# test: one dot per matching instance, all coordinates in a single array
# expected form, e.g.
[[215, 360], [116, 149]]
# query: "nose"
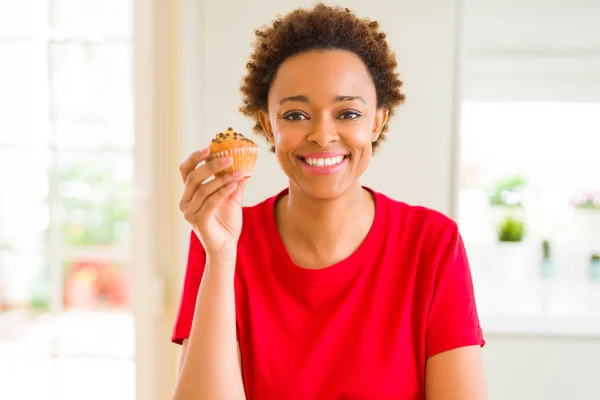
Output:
[[323, 131]]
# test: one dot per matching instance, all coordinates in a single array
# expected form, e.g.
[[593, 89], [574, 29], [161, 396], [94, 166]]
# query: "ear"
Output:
[[381, 118], [265, 122]]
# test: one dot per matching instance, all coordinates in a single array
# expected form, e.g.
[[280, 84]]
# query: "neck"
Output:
[[317, 225]]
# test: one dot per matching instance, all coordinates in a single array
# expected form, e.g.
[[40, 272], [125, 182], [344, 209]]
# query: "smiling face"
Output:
[[322, 119]]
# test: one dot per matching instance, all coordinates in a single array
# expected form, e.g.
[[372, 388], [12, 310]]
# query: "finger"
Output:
[[190, 163], [197, 177], [238, 195], [199, 197], [217, 198], [208, 169]]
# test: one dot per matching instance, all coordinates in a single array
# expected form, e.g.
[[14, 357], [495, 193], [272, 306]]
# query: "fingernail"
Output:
[[237, 173], [225, 160]]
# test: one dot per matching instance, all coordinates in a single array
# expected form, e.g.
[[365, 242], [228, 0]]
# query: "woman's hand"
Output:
[[213, 208]]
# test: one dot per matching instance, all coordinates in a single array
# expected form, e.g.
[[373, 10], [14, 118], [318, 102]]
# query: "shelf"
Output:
[[514, 299], [580, 326]]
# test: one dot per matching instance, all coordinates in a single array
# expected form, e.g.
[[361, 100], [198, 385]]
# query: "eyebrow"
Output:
[[304, 99]]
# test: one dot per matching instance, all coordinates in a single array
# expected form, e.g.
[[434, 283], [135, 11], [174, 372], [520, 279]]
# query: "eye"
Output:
[[349, 115], [294, 116]]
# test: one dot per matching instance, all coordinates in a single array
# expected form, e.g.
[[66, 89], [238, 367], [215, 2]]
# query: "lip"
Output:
[[323, 154], [325, 170]]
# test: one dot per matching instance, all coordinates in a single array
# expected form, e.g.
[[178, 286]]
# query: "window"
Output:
[[528, 165], [66, 175], [529, 205]]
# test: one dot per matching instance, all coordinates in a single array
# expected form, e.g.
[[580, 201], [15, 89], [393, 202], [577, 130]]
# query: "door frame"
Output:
[[157, 236]]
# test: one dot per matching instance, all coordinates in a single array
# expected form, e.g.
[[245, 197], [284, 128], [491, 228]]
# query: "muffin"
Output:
[[243, 151]]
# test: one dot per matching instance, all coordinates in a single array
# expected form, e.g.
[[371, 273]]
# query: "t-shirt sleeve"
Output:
[[452, 321], [187, 304]]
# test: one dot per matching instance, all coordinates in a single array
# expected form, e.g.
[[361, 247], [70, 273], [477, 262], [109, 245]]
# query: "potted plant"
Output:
[[512, 255], [586, 217], [508, 191], [511, 229], [547, 265], [586, 200], [507, 198], [595, 267]]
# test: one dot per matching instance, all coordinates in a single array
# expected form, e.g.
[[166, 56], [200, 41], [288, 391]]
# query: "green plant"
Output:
[[546, 249], [595, 266], [40, 297], [99, 216], [505, 191], [511, 230], [586, 201], [103, 216]]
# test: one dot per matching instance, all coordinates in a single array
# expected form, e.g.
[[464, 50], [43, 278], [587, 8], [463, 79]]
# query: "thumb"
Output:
[[238, 194]]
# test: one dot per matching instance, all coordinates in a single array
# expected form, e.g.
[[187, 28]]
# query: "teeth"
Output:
[[324, 162]]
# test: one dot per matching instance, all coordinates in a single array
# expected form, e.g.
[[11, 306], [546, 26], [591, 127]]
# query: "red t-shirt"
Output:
[[360, 329]]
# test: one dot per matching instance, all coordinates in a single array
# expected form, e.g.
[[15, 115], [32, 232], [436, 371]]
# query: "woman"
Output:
[[331, 290]]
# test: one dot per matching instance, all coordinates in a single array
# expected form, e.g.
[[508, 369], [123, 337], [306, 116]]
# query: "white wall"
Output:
[[535, 368], [415, 165], [532, 50]]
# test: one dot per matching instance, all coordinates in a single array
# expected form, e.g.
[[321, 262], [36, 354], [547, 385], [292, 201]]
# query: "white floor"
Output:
[[76, 355], [29, 378]]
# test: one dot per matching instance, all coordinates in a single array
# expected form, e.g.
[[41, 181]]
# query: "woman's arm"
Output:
[[184, 350], [213, 207], [210, 367], [455, 375]]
